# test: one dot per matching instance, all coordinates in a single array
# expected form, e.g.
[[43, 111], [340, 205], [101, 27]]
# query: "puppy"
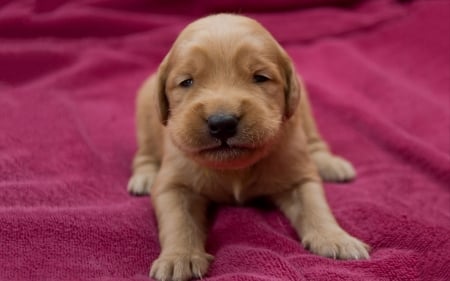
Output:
[[226, 119]]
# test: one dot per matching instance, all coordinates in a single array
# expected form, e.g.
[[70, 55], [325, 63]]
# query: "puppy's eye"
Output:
[[186, 83], [257, 78]]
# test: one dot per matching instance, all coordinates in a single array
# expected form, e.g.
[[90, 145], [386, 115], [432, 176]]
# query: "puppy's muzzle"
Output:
[[222, 126]]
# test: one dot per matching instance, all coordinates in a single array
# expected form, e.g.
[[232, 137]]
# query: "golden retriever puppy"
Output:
[[226, 119]]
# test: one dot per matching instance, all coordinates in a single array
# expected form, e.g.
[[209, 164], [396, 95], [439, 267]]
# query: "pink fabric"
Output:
[[379, 79]]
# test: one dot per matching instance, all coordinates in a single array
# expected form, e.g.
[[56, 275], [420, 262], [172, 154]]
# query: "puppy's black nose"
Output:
[[222, 126]]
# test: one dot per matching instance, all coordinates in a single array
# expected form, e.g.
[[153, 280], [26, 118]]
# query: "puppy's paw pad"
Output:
[[180, 267], [337, 245], [140, 183], [333, 168]]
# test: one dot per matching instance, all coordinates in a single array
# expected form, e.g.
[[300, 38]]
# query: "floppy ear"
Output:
[[292, 89], [162, 100]]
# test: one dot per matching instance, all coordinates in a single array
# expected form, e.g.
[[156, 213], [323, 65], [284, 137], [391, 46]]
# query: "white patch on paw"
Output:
[[333, 168], [140, 183], [335, 244], [180, 266]]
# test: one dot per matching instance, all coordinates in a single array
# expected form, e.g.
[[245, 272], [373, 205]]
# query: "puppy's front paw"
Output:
[[141, 182], [335, 244], [333, 168], [180, 266]]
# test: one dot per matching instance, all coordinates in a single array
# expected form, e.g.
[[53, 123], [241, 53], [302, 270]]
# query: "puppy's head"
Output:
[[225, 89]]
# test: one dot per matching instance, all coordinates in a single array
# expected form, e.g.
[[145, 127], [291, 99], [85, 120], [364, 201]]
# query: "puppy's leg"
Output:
[[181, 218], [144, 172], [307, 209], [331, 167], [149, 137]]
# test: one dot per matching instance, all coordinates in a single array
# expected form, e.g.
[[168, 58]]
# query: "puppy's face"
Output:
[[225, 89]]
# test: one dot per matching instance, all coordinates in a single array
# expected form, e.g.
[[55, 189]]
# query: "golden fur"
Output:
[[277, 151]]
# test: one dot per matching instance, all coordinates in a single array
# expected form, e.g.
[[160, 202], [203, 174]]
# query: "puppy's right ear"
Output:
[[162, 100], [292, 89]]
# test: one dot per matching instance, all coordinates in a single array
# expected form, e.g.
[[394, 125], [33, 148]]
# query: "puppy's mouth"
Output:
[[225, 148], [226, 155]]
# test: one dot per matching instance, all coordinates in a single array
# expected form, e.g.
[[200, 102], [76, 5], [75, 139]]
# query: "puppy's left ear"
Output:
[[162, 100], [292, 88]]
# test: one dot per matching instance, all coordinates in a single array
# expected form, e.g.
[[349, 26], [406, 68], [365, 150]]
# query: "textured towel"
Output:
[[378, 74]]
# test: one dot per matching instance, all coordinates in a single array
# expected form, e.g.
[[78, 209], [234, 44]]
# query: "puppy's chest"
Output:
[[240, 190]]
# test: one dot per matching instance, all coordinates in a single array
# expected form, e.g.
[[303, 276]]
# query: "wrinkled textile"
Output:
[[378, 74]]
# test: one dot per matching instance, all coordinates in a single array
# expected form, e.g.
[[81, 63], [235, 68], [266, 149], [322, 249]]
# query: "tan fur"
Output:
[[277, 152]]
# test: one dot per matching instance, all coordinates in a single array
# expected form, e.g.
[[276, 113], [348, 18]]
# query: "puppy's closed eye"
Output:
[[186, 83], [258, 78]]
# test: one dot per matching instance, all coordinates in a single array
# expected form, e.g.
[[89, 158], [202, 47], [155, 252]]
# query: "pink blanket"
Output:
[[378, 73]]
